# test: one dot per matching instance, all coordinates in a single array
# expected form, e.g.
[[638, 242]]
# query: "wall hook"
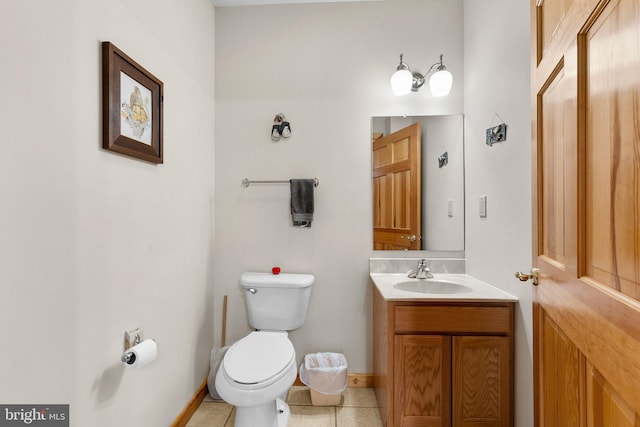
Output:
[[280, 128], [496, 133], [443, 159]]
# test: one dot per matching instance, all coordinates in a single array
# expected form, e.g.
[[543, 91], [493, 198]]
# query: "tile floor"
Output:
[[358, 408]]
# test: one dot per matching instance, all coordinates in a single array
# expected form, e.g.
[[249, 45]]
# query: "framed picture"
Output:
[[131, 107]]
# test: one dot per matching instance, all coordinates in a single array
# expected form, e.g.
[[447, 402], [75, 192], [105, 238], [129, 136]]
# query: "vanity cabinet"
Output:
[[443, 363]]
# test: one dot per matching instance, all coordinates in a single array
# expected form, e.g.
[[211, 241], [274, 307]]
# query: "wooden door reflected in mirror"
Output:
[[396, 190], [418, 198]]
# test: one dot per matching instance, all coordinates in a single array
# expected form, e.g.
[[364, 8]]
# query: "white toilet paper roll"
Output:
[[141, 354]]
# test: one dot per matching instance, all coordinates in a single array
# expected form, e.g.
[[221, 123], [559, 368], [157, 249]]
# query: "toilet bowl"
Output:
[[258, 370], [255, 372]]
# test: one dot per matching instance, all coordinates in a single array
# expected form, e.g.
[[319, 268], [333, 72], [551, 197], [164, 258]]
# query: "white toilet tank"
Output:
[[277, 302]]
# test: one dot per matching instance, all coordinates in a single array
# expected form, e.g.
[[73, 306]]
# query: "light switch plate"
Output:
[[450, 208], [483, 206]]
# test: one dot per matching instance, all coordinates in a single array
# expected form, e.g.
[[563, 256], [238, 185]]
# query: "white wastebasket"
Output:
[[326, 375]]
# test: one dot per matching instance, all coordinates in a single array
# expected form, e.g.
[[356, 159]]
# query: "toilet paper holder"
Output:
[[141, 354]]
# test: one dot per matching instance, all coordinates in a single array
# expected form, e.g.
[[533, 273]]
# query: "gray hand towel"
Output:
[[302, 202]]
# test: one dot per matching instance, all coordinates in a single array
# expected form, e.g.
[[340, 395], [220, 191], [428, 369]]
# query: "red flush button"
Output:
[[275, 270]]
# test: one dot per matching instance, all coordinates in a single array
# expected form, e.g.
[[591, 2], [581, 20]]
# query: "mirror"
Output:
[[418, 183]]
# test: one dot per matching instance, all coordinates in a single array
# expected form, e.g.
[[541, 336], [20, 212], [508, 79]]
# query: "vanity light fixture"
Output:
[[404, 80]]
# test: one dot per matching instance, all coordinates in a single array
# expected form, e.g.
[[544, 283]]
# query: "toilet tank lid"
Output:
[[283, 280]]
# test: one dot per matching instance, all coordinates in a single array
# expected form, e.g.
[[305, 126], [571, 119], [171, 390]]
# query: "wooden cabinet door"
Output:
[[482, 376], [422, 381], [585, 58]]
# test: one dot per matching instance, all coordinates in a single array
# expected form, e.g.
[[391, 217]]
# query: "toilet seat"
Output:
[[259, 359]]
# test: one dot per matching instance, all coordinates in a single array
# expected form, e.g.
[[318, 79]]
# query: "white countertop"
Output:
[[480, 291]]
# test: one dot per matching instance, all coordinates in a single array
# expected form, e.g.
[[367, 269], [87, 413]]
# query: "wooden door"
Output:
[[422, 381], [482, 376], [396, 190], [586, 197]]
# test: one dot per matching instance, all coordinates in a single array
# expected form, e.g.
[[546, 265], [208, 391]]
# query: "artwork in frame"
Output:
[[132, 107]]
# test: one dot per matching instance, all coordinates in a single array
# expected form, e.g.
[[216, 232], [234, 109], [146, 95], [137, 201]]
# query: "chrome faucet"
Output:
[[421, 272]]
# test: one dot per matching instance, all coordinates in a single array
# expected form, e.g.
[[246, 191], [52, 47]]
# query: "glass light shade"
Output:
[[401, 82], [440, 83]]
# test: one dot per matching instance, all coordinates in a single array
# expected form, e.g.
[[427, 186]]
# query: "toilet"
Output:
[[258, 370]]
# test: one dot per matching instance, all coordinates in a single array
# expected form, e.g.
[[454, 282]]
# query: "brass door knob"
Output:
[[533, 276]]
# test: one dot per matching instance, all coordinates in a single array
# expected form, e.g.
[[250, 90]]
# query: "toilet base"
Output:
[[271, 414]]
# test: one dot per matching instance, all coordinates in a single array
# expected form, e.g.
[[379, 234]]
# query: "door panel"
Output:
[[607, 407], [552, 150], [552, 12], [612, 171], [560, 374]]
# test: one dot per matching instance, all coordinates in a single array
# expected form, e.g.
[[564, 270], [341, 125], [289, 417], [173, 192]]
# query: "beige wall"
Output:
[[94, 243], [327, 68], [497, 81]]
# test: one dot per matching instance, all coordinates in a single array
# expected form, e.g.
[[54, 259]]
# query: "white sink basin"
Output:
[[441, 287], [430, 286]]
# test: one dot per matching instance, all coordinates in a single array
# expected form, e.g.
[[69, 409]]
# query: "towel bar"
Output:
[[246, 182]]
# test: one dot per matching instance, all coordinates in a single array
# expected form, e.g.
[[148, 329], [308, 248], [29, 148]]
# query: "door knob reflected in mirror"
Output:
[[533, 276]]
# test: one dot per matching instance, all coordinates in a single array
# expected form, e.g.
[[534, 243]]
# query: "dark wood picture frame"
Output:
[[142, 133]]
